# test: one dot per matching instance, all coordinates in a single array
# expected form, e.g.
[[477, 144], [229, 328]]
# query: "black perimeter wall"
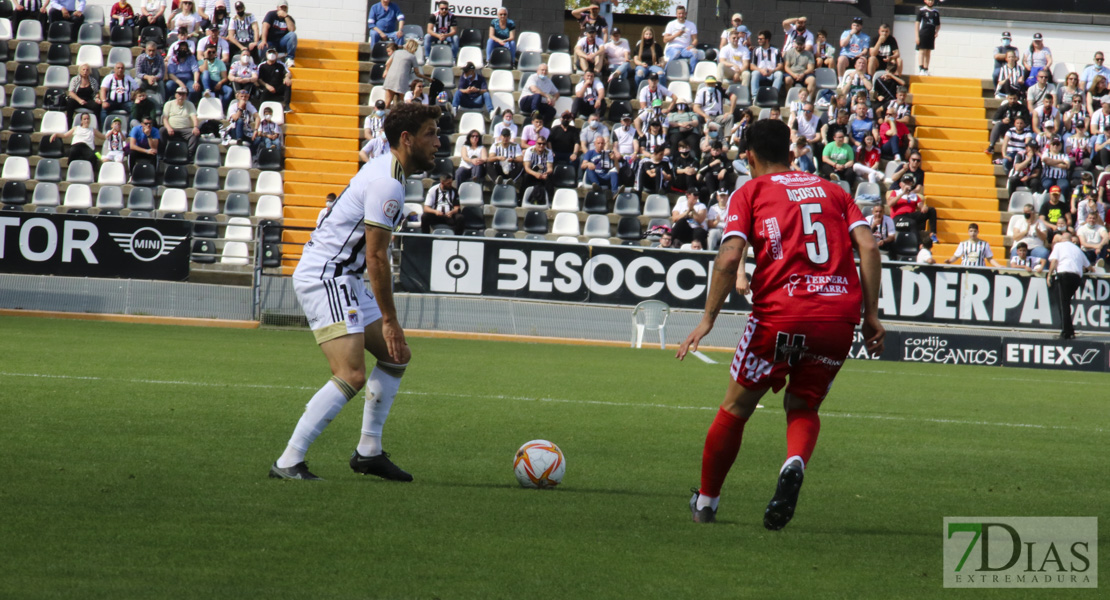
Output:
[[547, 17]]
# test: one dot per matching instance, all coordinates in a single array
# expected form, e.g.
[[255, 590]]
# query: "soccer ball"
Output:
[[539, 464]]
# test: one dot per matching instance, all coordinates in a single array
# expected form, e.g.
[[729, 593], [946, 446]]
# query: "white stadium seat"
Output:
[[90, 55], [269, 182], [238, 157], [78, 195], [239, 229], [209, 109], [234, 253], [529, 41], [268, 207], [566, 200], [470, 121], [469, 54], [111, 173], [559, 63], [16, 168], [277, 108], [501, 80], [173, 201], [566, 224], [54, 122], [704, 69], [503, 101]]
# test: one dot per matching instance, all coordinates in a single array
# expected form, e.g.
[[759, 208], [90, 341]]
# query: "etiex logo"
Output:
[[1014, 552], [457, 267]]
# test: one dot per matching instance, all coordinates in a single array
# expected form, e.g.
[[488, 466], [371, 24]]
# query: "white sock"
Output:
[[319, 411], [792, 459], [381, 389], [704, 501]]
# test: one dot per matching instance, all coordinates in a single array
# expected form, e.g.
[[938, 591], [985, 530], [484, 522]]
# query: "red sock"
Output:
[[722, 443], [802, 428]]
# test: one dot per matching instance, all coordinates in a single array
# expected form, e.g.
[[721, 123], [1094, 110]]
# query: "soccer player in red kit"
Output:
[[805, 304]]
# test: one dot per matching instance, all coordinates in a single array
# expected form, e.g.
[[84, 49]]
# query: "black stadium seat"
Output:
[[564, 176], [620, 89], [60, 32], [14, 194], [177, 152], [378, 53], [205, 226], [501, 58], [27, 74], [558, 43], [535, 222], [271, 255], [628, 229], [122, 37], [19, 144], [473, 221], [154, 34], [237, 205], [271, 159], [377, 74], [204, 250], [471, 37], [597, 203], [59, 54], [144, 174], [176, 176], [563, 84], [22, 119], [141, 198]]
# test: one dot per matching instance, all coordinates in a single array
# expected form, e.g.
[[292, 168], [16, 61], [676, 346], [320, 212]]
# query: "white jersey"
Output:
[[374, 198]]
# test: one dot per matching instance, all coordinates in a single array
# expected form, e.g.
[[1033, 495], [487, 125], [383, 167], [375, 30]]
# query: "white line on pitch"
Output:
[[534, 399]]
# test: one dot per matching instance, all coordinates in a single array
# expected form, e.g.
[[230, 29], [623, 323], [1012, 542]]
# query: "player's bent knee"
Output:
[[355, 378]]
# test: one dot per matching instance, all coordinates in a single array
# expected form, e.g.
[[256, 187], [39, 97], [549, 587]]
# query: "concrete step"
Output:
[[941, 132], [320, 143], [317, 120], [346, 87], [304, 202], [961, 168], [979, 124], [309, 223], [997, 242], [960, 82], [939, 187], [350, 54], [297, 237], [974, 216], [325, 63], [941, 89], [955, 145], [310, 189], [324, 109], [312, 95], [960, 202], [948, 100], [297, 165], [340, 156], [352, 131], [329, 178], [955, 112], [302, 212], [959, 179], [974, 158], [300, 73]]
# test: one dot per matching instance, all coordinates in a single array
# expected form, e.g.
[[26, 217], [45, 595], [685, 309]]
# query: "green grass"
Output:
[[139, 471]]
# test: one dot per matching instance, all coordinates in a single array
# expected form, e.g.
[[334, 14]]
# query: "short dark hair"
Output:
[[410, 117], [330, 198], [765, 33], [974, 226], [769, 139]]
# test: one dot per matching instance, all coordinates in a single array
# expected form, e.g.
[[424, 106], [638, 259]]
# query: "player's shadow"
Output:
[[570, 489]]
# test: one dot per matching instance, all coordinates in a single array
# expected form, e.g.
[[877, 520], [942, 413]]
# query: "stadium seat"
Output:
[[905, 246], [110, 197], [78, 195], [269, 231], [826, 78], [535, 221], [528, 62], [414, 191], [152, 33], [90, 34], [704, 69], [239, 229], [597, 203], [1018, 201], [141, 198], [598, 241], [377, 74], [121, 37], [627, 205], [534, 197], [677, 70], [501, 58], [444, 74], [743, 95], [111, 173], [238, 204], [564, 176], [620, 88], [471, 37], [26, 74], [618, 108], [208, 155], [657, 205], [48, 169], [276, 108], [59, 54], [14, 194], [558, 43], [792, 95], [144, 173], [53, 122], [529, 41], [80, 171], [473, 221], [205, 227], [209, 109], [204, 203], [566, 200], [413, 32], [120, 55], [237, 180], [5, 29], [567, 224], [3, 70], [95, 14], [767, 97], [30, 30], [176, 176], [709, 51], [470, 194], [56, 77], [559, 63], [567, 239], [468, 54], [443, 167], [45, 194], [203, 251], [378, 53], [269, 182], [504, 221], [503, 101], [90, 55], [681, 89], [268, 207], [173, 201], [235, 254], [378, 93], [446, 123], [868, 188], [629, 230], [271, 159], [441, 56], [271, 256], [597, 226], [503, 194], [238, 157], [24, 97], [564, 84], [472, 121], [208, 178]]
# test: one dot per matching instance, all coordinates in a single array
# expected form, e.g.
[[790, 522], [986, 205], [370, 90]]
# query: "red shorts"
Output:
[[811, 353]]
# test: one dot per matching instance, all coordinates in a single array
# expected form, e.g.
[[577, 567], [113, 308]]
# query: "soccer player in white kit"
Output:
[[345, 317]]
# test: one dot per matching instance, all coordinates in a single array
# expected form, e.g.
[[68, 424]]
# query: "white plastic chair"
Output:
[[566, 200], [239, 230], [173, 201], [112, 173], [503, 101], [559, 63], [598, 241], [704, 69], [597, 226], [238, 157], [471, 121], [650, 315], [378, 93], [680, 89], [529, 41], [277, 108], [269, 182], [469, 54], [209, 109], [90, 55], [120, 55], [563, 104], [566, 224], [5, 30], [234, 253], [54, 122], [268, 207], [78, 195], [16, 168], [501, 80], [567, 239]]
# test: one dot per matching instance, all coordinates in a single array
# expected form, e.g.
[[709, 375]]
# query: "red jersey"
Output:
[[798, 225], [905, 205]]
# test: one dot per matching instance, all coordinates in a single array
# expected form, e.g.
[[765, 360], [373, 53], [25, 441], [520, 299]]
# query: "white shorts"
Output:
[[336, 307]]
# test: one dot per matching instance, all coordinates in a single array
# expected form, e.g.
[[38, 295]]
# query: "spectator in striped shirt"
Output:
[[1026, 170], [268, 134], [538, 167], [1047, 111], [1022, 260], [1011, 77], [117, 89], [1017, 139], [766, 65], [973, 252], [443, 28], [1056, 167], [1004, 119], [506, 158]]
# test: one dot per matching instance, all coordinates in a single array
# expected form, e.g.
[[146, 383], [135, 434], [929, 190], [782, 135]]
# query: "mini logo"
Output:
[[391, 208], [796, 179], [1020, 552], [795, 279], [352, 317], [147, 243]]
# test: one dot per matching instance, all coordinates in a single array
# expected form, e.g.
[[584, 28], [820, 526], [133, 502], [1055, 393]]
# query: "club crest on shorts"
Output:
[[352, 317]]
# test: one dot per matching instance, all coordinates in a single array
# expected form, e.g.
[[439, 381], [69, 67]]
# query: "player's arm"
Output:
[[377, 269], [727, 275], [870, 271]]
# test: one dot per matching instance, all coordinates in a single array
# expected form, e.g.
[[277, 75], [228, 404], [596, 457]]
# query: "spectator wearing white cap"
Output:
[[279, 31], [736, 23]]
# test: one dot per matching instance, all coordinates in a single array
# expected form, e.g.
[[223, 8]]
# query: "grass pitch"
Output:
[[135, 461]]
